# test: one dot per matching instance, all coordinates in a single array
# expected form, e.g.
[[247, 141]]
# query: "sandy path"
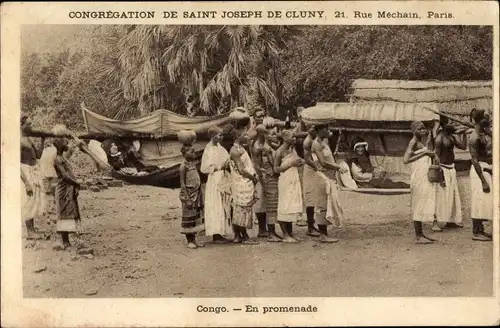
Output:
[[140, 253]]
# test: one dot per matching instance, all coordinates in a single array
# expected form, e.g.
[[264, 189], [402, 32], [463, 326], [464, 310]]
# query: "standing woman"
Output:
[[423, 192], [213, 163], [262, 155], [190, 196], [32, 195], [66, 194], [290, 208], [243, 191]]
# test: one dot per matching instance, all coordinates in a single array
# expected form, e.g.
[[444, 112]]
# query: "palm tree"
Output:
[[212, 68]]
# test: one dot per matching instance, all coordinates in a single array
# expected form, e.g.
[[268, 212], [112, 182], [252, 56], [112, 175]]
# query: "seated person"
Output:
[[363, 171], [130, 158], [115, 157]]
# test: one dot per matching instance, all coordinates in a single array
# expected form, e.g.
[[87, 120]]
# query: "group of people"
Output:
[[258, 173], [33, 192], [262, 175], [439, 201], [259, 176]]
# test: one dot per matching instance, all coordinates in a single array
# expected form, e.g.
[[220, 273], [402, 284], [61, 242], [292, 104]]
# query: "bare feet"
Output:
[[273, 238], [199, 244], [489, 235], [60, 247], [423, 241], [326, 239], [312, 233], [290, 240], [302, 223], [481, 237], [436, 227]]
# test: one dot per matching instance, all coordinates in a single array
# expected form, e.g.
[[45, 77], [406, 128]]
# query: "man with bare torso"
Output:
[[310, 182], [33, 199], [448, 203], [481, 174], [328, 196]]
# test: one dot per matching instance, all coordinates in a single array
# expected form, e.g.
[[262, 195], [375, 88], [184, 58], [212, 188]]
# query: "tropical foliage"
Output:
[[126, 71], [212, 68]]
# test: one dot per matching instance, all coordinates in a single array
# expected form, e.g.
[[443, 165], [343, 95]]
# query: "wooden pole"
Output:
[[451, 118], [98, 136], [407, 131]]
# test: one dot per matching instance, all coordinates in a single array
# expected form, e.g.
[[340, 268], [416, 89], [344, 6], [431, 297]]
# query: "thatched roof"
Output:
[[452, 97]]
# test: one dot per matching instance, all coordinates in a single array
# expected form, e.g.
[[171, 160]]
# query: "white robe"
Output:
[[481, 202], [423, 192], [290, 206], [212, 163], [328, 208], [33, 206], [448, 204]]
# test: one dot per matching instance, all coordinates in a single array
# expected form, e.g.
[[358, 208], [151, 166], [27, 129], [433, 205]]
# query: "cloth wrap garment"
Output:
[[448, 204], [242, 191], [328, 209], [423, 192], [481, 202], [32, 206], [191, 218], [290, 206], [47, 168], [267, 191], [66, 194], [212, 163], [311, 181]]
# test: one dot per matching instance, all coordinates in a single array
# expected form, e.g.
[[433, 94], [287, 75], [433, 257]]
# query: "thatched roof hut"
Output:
[[456, 98]]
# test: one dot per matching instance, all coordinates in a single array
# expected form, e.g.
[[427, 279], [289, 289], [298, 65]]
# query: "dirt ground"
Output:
[[139, 252]]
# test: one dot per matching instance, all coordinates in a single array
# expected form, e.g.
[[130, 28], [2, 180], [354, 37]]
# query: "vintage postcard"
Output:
[[250, 164]]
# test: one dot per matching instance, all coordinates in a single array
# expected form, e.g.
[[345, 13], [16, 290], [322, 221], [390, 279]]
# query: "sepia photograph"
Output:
[[242, 161]]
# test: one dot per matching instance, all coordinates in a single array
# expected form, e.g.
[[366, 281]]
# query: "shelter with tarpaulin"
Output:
[[156, 134]]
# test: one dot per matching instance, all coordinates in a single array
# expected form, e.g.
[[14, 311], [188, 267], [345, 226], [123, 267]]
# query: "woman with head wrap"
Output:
[[33, 198], [213, 162], [363, 171], [481, 174], [423, 192]]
